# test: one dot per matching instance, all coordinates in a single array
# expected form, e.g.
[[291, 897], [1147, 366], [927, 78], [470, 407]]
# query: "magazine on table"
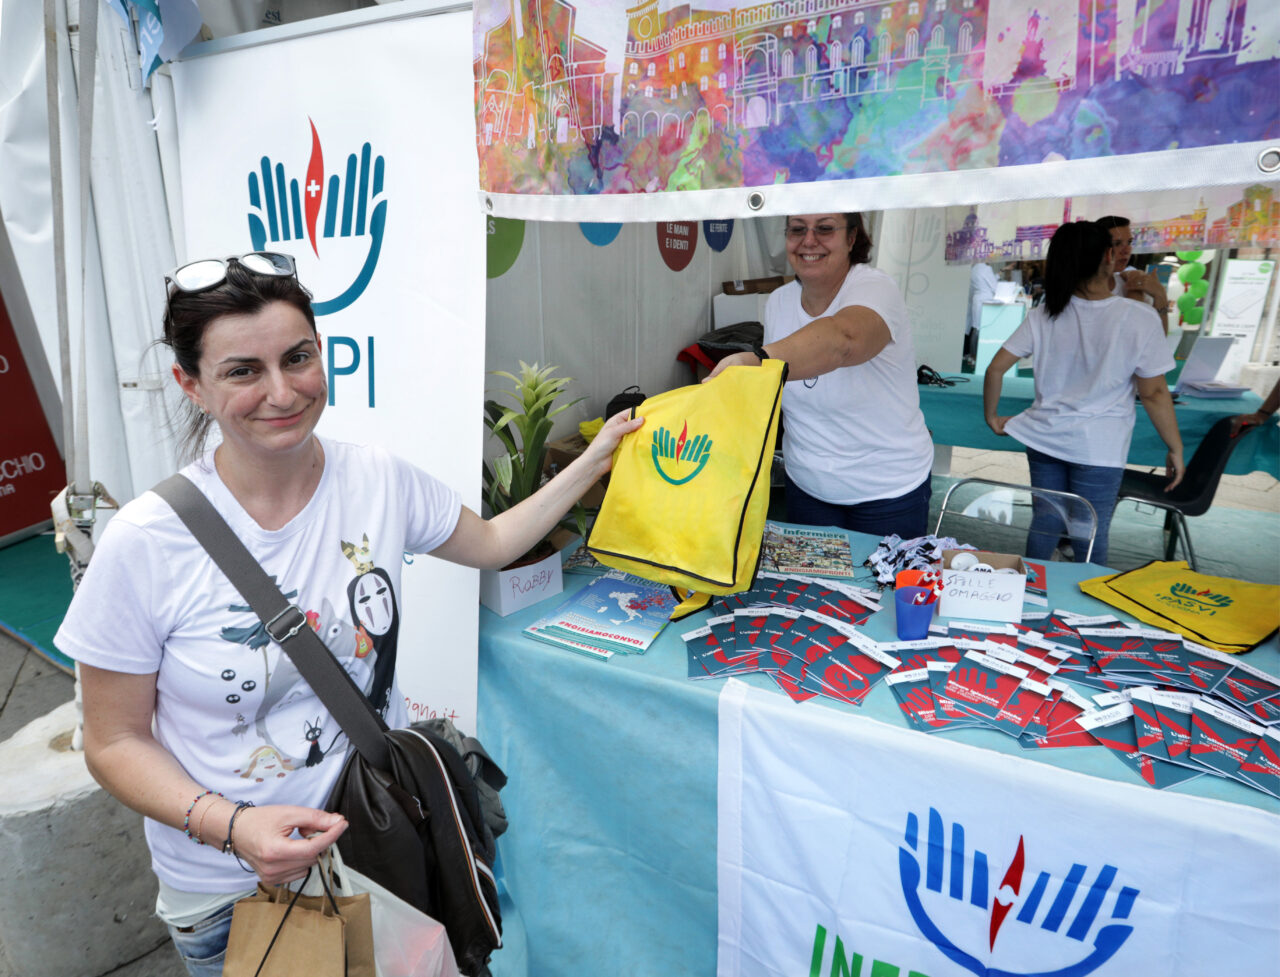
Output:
[[804, 549], [615, 612]]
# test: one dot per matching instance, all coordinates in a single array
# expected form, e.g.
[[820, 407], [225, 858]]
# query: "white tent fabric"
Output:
[[127, 444]]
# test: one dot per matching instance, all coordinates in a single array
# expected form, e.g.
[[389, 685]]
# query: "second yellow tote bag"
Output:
[[689, 492]]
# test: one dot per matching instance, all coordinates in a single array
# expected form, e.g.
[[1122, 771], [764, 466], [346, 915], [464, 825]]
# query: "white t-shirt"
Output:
[[855, 434], [230, 706], [1085, 362]]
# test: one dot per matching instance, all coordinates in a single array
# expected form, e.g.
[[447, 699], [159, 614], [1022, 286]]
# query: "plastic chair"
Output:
[[1004, 504], [1194, 494]]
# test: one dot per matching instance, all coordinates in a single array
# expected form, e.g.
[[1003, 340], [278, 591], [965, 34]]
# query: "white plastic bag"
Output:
[[406, 941]]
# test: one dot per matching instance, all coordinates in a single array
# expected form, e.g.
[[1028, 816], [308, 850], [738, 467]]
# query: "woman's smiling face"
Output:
[[261, 378], [818, 247]]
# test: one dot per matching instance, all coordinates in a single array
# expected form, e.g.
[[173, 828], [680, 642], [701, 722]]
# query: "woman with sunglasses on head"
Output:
[[857, 451], [1091, 351], [192, 716]]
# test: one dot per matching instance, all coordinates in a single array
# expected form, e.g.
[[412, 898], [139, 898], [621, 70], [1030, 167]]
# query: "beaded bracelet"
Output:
[[228, 848], [186, 821], [200, 824]]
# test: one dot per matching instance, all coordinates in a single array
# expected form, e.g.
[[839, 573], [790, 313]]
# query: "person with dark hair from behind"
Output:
[[1090, 351], [1131, 282], [856, 448]]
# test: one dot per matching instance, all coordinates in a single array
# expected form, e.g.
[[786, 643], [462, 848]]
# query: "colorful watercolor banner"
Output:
[[1181, 220], [597, 99]]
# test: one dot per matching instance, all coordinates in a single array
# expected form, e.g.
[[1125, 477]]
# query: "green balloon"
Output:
[[1186, 302], [1188, 255], [1193, 317], [1192, 272], [1198, 288]]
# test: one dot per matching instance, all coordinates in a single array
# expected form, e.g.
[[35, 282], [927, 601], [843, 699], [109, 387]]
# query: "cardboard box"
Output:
[[507, 591], [564, 450], [983, 595]]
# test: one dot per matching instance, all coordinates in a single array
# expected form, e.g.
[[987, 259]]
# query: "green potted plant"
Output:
[[516, 474]]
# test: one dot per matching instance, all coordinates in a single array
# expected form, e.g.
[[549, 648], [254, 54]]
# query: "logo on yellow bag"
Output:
[[680, 460], [1188, 598]]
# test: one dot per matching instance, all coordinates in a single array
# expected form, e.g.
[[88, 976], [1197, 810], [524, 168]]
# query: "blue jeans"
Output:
[[1097, 483], [203, 946], [907, 515]]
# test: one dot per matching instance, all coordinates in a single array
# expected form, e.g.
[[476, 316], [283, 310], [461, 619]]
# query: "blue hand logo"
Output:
[[353, 207], [923, 889]]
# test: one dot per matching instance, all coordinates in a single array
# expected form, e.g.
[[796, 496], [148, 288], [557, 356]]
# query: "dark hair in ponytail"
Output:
[[1076, 251]]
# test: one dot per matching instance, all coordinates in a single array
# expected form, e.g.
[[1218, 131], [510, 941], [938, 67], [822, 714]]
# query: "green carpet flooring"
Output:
[[35, 589]]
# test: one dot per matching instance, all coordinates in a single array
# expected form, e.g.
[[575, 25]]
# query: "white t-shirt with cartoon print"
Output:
[[230, 706]]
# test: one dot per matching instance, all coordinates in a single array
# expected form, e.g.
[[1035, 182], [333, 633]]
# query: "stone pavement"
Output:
[[30, 687]]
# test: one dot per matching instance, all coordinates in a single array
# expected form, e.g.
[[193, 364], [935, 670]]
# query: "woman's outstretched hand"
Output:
[[600, 451]]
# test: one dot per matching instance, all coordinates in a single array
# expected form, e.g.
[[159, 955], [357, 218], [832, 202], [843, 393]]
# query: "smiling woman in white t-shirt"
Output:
[[1091, 352], [192, 716], [857, 451]]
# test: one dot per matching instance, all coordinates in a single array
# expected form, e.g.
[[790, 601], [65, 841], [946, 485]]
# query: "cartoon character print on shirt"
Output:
[[283, 743], [374, 609]]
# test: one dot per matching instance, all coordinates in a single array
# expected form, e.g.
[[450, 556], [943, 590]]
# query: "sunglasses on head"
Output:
[[200, 276]]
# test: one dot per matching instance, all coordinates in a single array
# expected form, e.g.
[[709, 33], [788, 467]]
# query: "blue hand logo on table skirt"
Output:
[[972, 908]]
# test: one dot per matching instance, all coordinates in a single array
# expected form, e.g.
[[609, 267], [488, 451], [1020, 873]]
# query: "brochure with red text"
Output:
[[747, 622], [1005, 634], [698, 643], [918, 654], [910, 687], [1220, 739], [1262, 765], [1245, 684], [1015, 714], [1174, 713], [849, 670], [1114, 729], [1130, 650], [982, 685], [1206, 667], [1037, 592], [1146, 723], [722, 626]]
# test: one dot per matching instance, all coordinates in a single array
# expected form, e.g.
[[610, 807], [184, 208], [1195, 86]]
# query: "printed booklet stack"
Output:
[[615, 612], [1154, 706], [1170, 709], [800, 630]]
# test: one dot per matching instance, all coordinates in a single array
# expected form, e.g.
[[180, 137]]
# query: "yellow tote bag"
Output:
[[1221, 612], [689, 491]]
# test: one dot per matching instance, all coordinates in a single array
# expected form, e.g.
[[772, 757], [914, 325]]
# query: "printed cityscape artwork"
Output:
[[600, 97], [1179, 220]]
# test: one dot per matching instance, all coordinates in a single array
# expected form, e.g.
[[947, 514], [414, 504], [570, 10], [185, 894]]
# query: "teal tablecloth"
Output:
[[954, 416], [611, 855]]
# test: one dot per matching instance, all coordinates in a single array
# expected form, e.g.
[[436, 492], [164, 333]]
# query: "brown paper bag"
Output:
[[274, 934]]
